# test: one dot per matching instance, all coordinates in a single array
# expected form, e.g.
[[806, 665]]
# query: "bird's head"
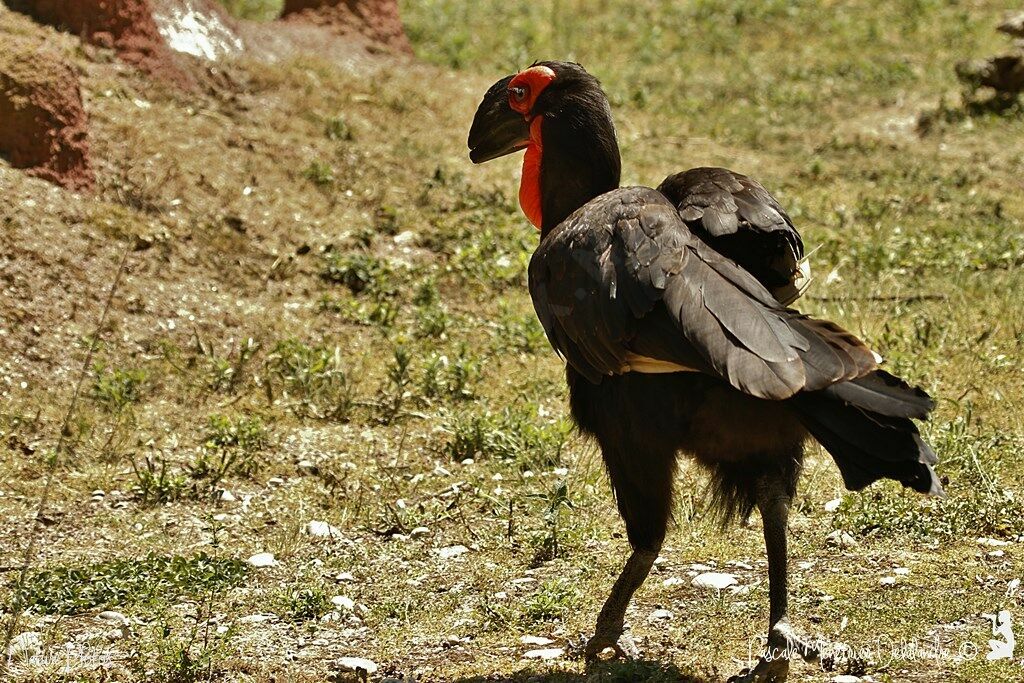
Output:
[[558, 113]]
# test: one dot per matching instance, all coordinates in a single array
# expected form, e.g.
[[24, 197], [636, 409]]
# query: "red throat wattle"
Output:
[[529, 84], [529, 186]]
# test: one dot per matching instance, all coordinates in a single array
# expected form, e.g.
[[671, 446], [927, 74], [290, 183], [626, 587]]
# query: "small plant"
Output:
[[450, 378], [231, 447], [359, 272], [551, 601], [126, 583], [312, 380], [303, 604], [116, 389], [157, 480], [395, 391], [557, 500], [319, 173], [514, 434], [337, 129], [186, 654]]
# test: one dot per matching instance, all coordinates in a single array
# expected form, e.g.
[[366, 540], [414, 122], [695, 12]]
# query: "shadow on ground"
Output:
[[610, 672]]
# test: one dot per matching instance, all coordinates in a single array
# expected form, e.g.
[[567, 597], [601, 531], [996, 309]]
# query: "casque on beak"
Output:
[[497, 129]]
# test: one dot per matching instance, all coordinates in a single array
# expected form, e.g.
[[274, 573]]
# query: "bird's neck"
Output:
[[572, 158]]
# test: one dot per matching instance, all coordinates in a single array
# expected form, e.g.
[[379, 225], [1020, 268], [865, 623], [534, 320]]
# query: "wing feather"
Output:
[[624, 278]]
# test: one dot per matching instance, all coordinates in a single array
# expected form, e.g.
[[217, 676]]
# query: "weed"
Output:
[[231, 447], [126, 583], [117, 389], [313, 381], [514, 434], [320, 173], [302, 604], [337, 129], [551, 601], [157, 480], [450, 378]]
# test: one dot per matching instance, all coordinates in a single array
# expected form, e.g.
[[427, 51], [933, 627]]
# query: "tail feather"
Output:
[[865, 425]]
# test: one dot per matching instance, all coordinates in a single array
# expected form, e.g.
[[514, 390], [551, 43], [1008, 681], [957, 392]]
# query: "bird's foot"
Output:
[[783, 645], [611, 645]]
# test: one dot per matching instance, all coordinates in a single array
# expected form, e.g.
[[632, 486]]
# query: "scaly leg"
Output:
[[611, 620], [773, 501]]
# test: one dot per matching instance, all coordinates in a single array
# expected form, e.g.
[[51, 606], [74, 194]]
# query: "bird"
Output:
[[670, 309]]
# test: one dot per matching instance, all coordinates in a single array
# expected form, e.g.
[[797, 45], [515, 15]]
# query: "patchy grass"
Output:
[[119, 584], [326, 317]]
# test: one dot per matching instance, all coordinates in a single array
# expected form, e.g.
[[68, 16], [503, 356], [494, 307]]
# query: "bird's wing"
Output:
[[624, 276], [736, 216]]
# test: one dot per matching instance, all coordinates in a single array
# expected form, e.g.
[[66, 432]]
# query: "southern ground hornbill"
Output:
[[669, 307]]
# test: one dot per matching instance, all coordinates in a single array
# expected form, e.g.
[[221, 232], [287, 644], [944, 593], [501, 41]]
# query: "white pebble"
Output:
[[714, 580], [344, 602], [535, 640], [451, 551], [320, 529], [356, 664], [544, 654], [263, 560]]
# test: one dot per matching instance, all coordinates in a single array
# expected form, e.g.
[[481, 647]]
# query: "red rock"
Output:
[[377, 20], [43, 126]]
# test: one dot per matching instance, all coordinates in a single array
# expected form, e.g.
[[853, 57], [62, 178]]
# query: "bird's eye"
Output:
[[517, 94]]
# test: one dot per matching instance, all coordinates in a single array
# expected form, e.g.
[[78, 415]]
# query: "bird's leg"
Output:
[[611, 620], [773, 501]]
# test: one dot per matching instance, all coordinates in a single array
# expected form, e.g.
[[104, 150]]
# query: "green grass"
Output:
[[353, 343], [120, 584]]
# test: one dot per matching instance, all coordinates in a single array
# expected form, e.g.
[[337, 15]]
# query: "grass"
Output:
[[326, 316]]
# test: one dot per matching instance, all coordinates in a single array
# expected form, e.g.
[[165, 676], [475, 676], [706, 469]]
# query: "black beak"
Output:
[[497, 128]]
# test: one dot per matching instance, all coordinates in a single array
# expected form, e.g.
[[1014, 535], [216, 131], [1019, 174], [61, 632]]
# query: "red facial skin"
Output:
[[523, 92]]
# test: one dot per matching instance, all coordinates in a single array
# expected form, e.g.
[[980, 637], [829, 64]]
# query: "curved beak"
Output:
[[497, 129]]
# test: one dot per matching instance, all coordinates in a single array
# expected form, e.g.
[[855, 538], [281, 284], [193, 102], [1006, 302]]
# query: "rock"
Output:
[[420, 532], [356, 664], [226, 496], [451, 551], [343, 602], [901, 571], [846, 678], [142, 36], [25, 646], [275, 481], [377, 20], [840, 539], [992, 542], [405, 237], [544, 654], [535, 640], [255, 618], [1013, 25], [320, 529], [45, 127], [672, 581], [112, 617], [98, 493], [307, 467], [344, 576], [833, 504], [714, 580], [661, 615], [262, 560], [887, 581]]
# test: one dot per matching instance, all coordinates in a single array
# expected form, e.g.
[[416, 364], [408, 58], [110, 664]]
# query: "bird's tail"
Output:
[[866, 425]]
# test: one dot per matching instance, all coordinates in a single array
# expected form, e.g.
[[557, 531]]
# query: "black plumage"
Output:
[[669, 307]]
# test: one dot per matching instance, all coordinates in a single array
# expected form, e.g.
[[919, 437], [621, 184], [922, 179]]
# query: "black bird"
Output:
[[669, 308]]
